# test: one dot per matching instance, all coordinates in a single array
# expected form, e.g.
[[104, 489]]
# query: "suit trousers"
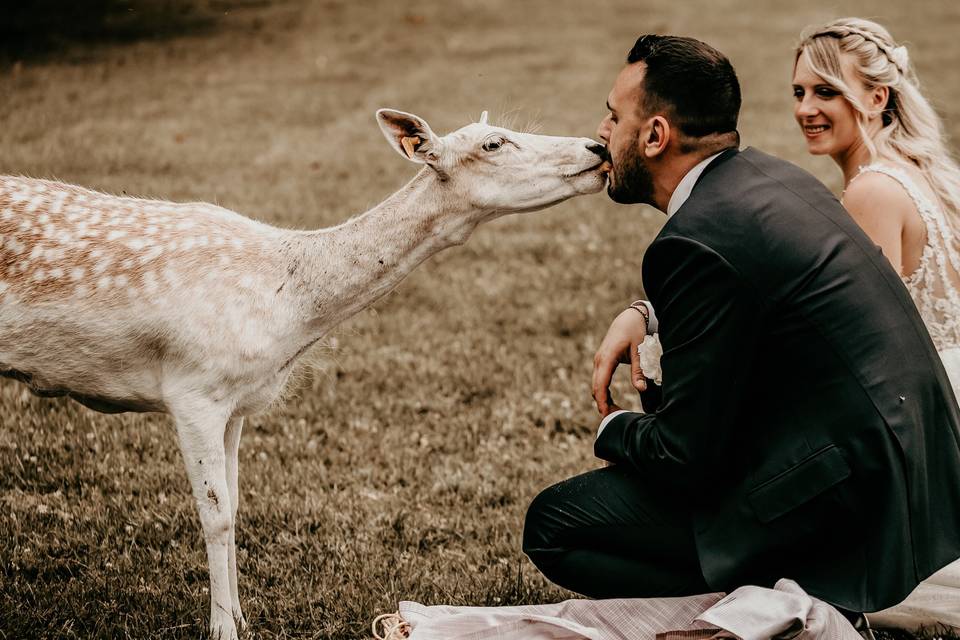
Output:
[[607, 534]]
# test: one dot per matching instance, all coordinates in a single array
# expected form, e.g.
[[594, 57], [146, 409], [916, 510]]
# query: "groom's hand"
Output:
[[626, 332]]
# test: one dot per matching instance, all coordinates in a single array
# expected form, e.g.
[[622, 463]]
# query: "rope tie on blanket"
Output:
[[392, 625]]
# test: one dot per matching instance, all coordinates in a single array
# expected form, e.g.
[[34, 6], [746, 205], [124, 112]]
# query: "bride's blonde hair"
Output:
[[912, 130]]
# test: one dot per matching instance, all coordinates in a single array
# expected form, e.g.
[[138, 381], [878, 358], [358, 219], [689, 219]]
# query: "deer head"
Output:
[[496, 171]]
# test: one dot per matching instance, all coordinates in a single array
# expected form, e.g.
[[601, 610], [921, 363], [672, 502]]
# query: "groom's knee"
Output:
[[540, 526]]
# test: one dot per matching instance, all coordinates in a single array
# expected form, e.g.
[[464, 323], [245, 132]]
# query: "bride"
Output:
[[858, 101]]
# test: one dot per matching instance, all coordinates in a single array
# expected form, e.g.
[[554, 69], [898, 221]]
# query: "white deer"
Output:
[[127, 304]]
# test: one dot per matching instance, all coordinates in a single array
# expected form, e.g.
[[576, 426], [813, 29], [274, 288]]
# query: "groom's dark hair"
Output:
[[689, 81]]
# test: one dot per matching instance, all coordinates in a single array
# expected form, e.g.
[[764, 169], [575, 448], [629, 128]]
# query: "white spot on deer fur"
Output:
[[44, 218], [56, 272], [77, 273], [150, 281], [82, 290], [224, 261], [20, 196], [95, 218], [36, 253], [103, 283], [121, 280], [184, 224], [152, 229], [113, 235], [15, 246], [35, 203], [39, 275], [25, 225], [237, 243], [52, 255], [96, 253], [219, 241], [7, 213], [152, 253], [57, 203], [102, 266], [188, 243], [171, 277], [3, 287], [172, 246]]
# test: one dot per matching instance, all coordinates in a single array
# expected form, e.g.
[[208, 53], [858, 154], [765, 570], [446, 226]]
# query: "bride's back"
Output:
[[931, 260]]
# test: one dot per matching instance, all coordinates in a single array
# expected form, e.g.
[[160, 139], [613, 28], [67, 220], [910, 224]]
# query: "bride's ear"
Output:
[[877, 101]]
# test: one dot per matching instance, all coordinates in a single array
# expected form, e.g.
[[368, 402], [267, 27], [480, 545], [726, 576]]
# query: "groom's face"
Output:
[[630, 180]]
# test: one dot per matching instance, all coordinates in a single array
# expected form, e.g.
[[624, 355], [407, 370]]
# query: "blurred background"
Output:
[[402, 463]]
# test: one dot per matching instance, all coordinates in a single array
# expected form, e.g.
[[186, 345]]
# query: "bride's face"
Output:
[[828, 122]]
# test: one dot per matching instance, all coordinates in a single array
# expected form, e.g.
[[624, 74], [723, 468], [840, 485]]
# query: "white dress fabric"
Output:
[[933, 287], [750, 613]]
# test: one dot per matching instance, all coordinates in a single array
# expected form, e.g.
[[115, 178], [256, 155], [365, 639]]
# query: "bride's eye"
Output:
[[798, 93], [827, 92]]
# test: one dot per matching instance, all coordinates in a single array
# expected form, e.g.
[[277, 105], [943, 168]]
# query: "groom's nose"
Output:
[[603, 131]]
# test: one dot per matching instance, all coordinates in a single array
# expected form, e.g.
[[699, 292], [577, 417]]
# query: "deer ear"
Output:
[[483, 118], [410, 135]]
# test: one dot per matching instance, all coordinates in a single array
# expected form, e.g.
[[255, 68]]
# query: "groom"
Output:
[[807, 429]]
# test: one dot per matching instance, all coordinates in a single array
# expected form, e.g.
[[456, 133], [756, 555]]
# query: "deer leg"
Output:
[[201, 432], [231, 445]]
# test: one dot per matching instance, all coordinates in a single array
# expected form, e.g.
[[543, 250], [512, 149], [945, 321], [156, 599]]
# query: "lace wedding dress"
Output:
[[934, 289]]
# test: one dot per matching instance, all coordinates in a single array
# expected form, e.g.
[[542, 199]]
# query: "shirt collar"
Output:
[[685, 188]]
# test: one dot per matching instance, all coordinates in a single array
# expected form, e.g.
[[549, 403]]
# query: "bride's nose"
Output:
[[805, 107]]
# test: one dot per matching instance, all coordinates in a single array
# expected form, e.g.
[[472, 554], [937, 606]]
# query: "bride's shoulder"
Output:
[[881, 192]]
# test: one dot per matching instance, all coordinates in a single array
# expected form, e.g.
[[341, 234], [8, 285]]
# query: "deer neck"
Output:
[[347, 268]]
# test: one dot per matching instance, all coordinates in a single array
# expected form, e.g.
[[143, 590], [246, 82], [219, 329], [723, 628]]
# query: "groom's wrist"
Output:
[[645, 309], [606, 421]]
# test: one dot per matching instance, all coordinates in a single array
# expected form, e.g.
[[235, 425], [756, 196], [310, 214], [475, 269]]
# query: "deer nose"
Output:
[[599, 149]]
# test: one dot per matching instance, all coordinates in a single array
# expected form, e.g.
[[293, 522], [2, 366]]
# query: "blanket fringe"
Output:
[[392, 626]]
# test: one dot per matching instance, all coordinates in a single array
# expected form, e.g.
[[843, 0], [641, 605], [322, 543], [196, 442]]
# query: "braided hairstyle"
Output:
[[912, 132]]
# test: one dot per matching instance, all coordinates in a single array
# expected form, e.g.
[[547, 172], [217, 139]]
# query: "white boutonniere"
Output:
[[650, 351]]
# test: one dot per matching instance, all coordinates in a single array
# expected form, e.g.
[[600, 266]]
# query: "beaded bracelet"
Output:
[[641, 306]]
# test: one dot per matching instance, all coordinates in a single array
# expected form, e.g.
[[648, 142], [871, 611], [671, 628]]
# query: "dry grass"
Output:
[[403, 464]]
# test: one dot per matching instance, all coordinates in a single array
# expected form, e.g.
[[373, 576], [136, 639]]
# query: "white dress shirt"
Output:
[[679, 196]]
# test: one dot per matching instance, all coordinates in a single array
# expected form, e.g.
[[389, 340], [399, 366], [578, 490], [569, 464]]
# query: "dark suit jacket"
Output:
[[806, 417]]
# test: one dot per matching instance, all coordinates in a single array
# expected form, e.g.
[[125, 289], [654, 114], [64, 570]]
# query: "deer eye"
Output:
[[492, 144]]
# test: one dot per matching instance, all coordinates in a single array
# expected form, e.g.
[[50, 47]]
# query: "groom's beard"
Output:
[[632, 182]]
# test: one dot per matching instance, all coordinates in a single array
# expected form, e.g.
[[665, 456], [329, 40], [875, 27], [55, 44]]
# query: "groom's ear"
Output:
[[655, 136]]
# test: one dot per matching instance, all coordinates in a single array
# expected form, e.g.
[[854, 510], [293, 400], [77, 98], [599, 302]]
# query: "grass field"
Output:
[[402, 465]]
